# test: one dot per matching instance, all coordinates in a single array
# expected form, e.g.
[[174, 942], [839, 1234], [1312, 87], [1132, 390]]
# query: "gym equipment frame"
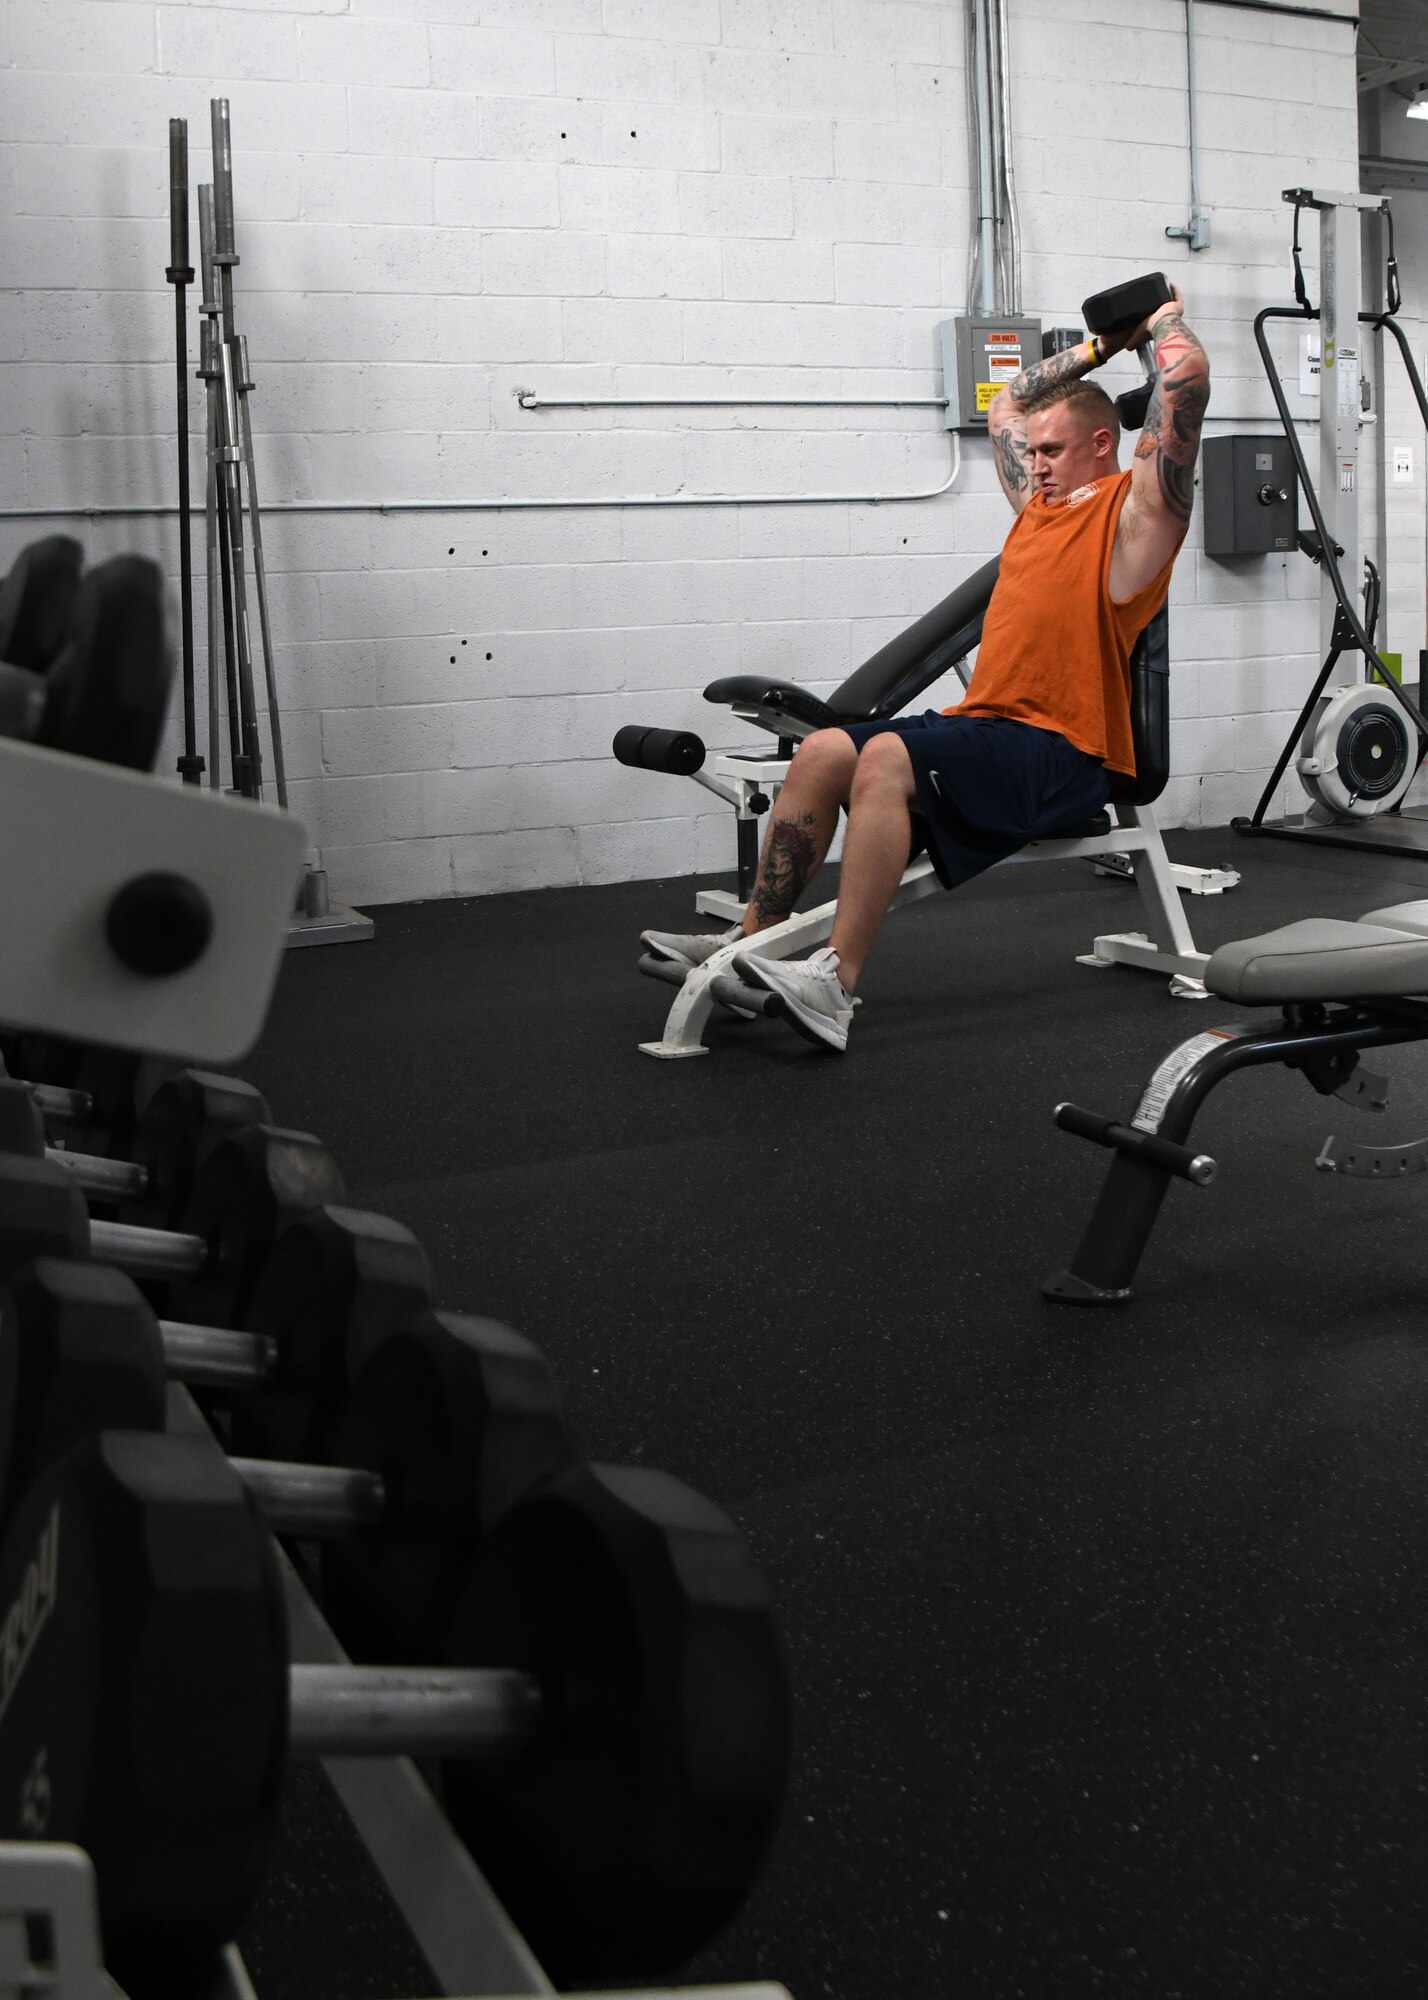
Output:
[[108, 940], [1124, 840], [1342, 988], [1359, 746]]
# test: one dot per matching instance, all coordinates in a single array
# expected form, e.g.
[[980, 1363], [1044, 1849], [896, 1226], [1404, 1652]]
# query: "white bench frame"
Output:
[[1132, 847]]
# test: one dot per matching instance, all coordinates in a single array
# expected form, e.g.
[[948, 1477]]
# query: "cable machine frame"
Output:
[[1334, 505]]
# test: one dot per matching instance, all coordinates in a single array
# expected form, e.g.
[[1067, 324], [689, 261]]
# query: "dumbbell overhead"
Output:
[[460, 1418], [1117, 311], [614, 1724]]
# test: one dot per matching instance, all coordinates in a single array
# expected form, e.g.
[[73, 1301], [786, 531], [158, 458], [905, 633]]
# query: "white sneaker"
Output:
[[690, 950], [819, 1007]]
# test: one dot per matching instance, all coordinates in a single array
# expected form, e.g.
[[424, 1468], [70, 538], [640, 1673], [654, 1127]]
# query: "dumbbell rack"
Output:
[[93, 831]]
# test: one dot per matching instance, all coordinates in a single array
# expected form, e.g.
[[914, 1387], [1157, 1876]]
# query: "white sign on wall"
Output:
[[1309, 364]]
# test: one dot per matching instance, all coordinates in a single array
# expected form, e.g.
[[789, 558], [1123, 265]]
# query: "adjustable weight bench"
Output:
[[1123, 840], [1341, 988]]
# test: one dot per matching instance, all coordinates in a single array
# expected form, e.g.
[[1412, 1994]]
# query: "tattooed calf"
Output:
[[789, 863]]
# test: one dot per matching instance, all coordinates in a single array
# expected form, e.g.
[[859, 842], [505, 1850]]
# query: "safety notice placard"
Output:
[[1161, 1087]]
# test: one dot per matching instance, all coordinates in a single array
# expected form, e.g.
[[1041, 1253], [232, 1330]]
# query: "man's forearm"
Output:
[[1171, 431], [1067, 366], [1007, 412]]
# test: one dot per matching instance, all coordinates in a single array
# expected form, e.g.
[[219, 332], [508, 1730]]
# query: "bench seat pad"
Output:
[[1400, 917], [1320, 958]]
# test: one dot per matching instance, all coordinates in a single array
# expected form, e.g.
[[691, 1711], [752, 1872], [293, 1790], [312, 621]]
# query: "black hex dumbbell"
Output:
[[37, 604], [453, 1418], [250, 1186], [1117, 311], [612, 1726], [86, 660], [185, 1119], [98, 1094]]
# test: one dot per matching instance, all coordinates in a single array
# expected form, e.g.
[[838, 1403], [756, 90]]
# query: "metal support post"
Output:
[[220, 643], [1340, 409], [260, 574], [225, 257], [180, 276]]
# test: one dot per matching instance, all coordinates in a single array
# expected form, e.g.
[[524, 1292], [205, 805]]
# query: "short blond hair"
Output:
[[1090, 403]]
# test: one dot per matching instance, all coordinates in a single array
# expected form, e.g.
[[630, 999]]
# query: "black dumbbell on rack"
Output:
[[98, 1093], [336, 1284], [186, 1118], [37, 602], [1118, 310], [85, 664], [250, 1186], [58, 1104], [453, 1419], [612, 1728]]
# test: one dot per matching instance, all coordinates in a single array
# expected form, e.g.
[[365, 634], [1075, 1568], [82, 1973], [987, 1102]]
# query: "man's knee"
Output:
[[884, 763], [827, 758]]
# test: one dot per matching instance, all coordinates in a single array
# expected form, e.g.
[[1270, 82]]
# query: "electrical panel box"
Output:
[[1251, 495], [981, 353]]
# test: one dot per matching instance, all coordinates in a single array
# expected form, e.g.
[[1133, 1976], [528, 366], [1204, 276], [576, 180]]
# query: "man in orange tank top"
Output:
[[1046, 718]]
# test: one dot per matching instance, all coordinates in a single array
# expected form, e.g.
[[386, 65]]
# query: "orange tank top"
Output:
[[1055, 650]]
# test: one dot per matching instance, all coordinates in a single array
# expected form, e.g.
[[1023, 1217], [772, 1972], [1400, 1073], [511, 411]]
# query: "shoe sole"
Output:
[[674, 957], [800, 1024]]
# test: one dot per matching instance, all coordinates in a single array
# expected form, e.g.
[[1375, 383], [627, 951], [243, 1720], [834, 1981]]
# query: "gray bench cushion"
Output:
[[1320, 958], [1400, 917]]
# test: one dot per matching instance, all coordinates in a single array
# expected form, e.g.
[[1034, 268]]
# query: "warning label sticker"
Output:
[[985, 393], [1161, 1087]]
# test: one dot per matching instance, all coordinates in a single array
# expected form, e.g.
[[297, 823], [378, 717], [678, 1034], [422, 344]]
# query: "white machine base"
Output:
[[339, 925]]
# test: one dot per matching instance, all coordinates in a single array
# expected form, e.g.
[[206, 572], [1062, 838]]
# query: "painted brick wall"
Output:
[[443, 202]]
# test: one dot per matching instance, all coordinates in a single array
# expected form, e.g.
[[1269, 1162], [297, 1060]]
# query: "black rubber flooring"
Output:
[[1108, 1631]]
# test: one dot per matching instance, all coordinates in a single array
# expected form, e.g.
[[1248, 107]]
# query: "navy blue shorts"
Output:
[[986, 786]]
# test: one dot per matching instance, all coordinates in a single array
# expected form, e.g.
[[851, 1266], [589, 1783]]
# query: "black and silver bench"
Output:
[[1124, 840], [1341, 988]]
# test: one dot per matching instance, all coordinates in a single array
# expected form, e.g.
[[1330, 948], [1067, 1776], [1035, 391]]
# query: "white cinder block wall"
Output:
[[442, 202]]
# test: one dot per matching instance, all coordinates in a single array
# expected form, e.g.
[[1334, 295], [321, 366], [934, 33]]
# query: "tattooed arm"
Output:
[[1157, 509], [1007, 413]]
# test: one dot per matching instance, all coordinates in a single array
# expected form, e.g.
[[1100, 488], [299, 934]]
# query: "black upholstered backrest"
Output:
[[898, 672], [1150, 715]]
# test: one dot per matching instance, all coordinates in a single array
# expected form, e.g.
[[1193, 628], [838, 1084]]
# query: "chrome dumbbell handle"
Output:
[[417, 1712], [147, 1253]]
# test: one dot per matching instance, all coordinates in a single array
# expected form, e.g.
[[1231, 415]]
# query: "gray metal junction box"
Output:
[[981, 353], [1251, 495]]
